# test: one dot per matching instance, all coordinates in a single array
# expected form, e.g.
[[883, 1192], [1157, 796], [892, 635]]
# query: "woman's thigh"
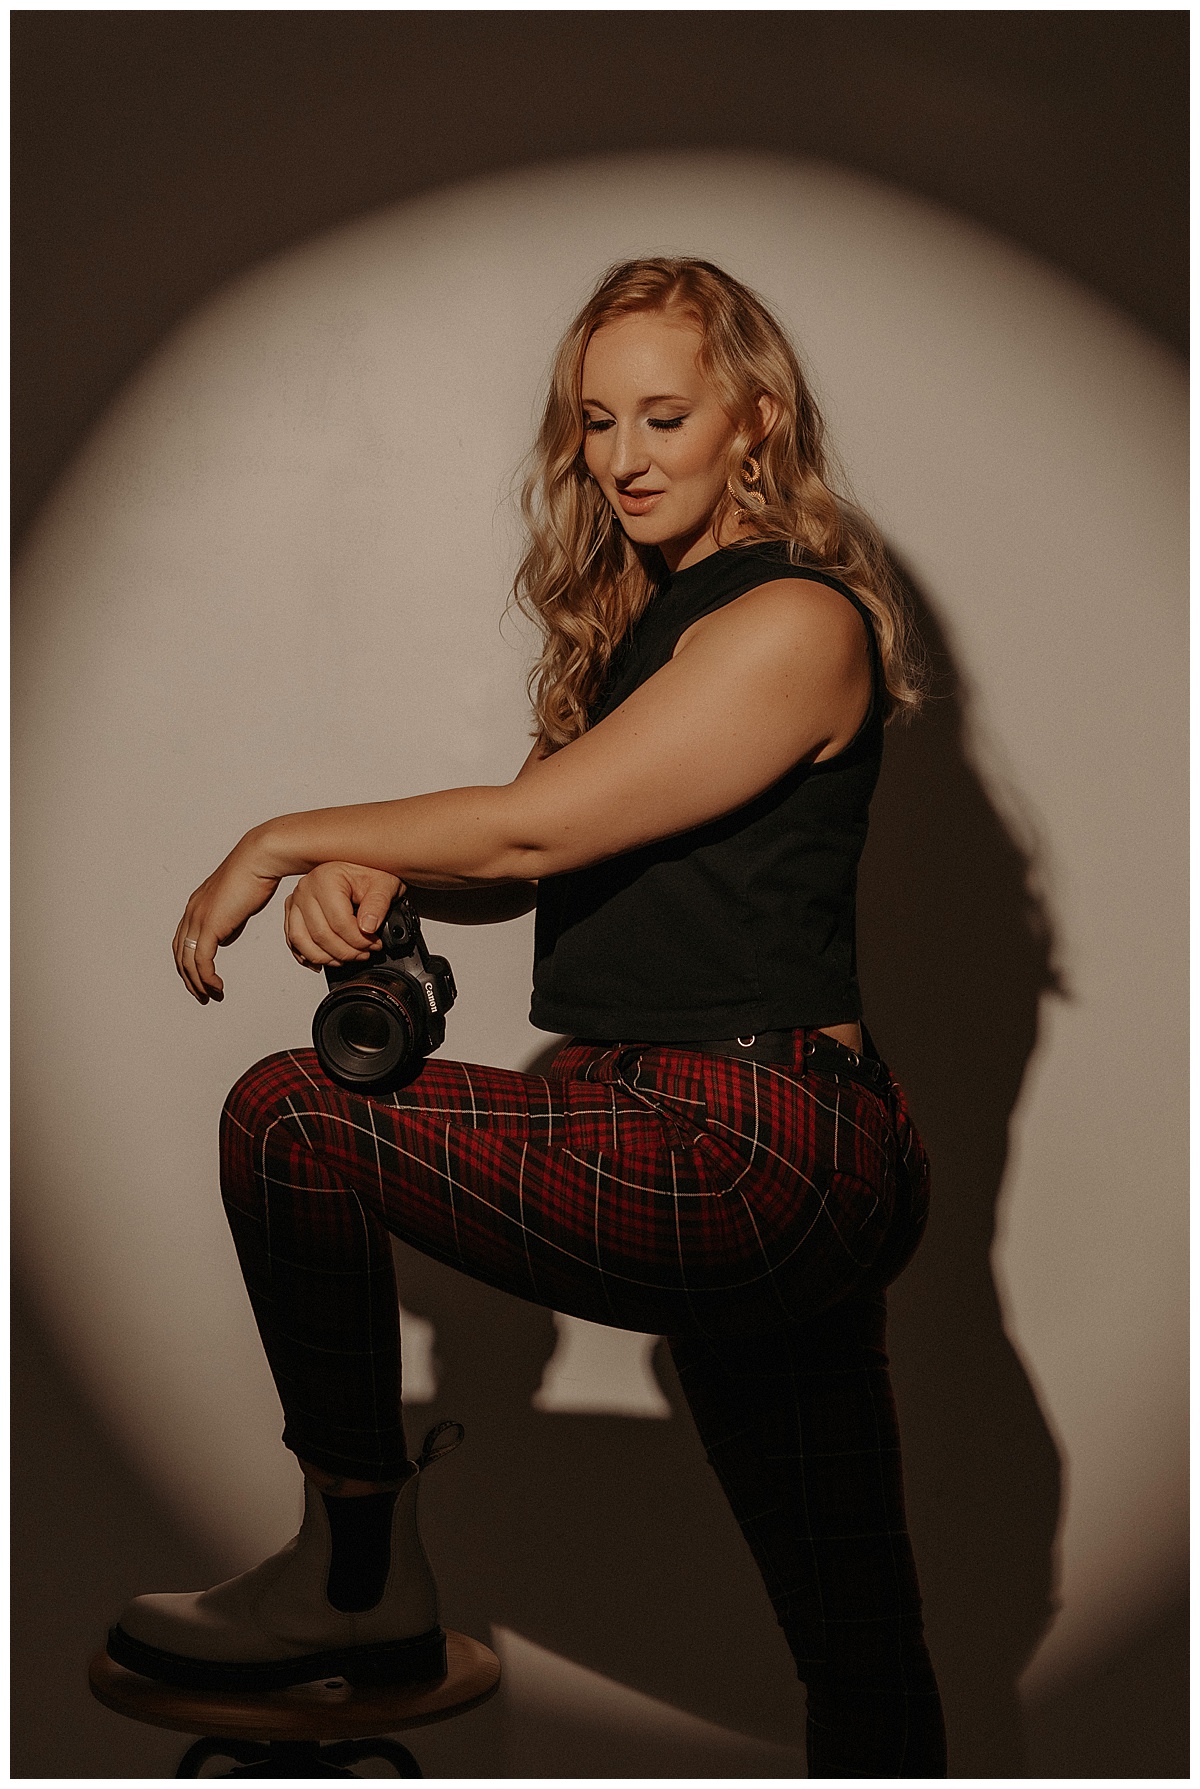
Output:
[[643, 1187]]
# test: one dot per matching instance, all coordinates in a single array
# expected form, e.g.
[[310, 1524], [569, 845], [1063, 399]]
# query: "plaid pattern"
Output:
[[752, 1214]]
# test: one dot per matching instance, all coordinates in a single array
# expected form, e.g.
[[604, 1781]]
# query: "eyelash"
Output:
[[595, 427]]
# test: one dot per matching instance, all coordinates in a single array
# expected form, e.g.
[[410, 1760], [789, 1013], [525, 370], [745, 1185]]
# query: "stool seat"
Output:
[[328, 1710]]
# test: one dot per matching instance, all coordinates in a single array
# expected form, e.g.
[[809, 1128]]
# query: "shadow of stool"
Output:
[[288, 1733]]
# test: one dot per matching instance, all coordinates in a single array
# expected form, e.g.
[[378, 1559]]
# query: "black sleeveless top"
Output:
[[743, 924]]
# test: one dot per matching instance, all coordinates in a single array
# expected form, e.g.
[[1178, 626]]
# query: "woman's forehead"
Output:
[[643, 346]]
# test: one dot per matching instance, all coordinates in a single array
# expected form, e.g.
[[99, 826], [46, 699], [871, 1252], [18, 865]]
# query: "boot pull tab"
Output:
[[431, 1450]]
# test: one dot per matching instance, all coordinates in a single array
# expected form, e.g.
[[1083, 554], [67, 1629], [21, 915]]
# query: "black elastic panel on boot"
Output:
[[360, 1529]]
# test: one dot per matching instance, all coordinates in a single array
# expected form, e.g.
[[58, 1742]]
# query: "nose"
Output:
[[630, 457]]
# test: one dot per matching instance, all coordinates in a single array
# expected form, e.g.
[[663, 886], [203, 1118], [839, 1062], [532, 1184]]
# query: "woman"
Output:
[[718, 1155]]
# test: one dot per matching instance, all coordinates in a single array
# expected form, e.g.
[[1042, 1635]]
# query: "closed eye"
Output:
[[593, 424], [658, 422]]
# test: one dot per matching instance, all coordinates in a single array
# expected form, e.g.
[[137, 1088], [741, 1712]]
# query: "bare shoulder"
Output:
[[788, 615]]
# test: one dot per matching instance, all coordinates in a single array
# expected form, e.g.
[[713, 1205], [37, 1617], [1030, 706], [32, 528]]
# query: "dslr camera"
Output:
[[380, 1020]]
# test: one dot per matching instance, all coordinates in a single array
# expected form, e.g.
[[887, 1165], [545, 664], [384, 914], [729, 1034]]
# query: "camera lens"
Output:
[[363, 1029], [365, 1032]]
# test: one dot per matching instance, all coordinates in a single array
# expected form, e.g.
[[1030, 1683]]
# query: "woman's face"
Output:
[[656, 438]]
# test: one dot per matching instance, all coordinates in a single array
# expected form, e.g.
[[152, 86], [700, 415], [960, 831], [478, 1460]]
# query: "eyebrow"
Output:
[[663, 397]]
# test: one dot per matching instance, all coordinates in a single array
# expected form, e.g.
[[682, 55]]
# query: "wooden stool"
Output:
[[279, 1733]]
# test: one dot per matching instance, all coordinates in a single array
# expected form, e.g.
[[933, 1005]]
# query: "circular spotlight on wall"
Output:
[[272, 580]]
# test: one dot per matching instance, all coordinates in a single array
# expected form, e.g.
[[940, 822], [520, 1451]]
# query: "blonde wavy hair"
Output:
[[584, 582]]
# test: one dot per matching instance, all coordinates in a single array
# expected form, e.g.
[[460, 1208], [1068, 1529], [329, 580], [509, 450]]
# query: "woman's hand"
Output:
[[333, 914], [216, 914]]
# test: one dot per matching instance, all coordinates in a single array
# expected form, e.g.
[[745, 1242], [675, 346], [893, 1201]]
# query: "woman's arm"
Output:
[[777, 677], [334, 913], [772, 679], [479, 906]]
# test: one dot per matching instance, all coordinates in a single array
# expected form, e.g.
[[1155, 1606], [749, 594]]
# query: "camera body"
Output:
[[379, 1020]]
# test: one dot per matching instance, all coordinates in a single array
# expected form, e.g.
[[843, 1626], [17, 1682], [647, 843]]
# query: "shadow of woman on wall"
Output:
[[606, 1538], [955, 957]]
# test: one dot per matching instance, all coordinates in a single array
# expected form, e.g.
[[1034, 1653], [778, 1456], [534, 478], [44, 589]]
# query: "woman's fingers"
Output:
[[327, 898], [319, 919], [329, 943], [329, 915], [311, 941], [216, 914], [374, 890], [294, 931], [203, 957], [183, 946], [302, 946], [184, 968], [195, 948]]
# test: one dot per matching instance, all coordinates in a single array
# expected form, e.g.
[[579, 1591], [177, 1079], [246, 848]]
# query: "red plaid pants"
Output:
[[752, 1214]]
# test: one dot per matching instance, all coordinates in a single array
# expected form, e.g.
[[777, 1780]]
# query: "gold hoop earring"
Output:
[[751, 471]]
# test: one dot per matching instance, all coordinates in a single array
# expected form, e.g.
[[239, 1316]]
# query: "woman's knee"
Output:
[[262, 1095]]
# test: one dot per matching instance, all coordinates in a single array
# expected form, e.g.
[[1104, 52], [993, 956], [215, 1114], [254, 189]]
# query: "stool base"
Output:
[[296, 1757]]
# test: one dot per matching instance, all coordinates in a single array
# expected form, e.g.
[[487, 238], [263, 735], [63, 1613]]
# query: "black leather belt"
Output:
[[822, 1052], [778, 1049]]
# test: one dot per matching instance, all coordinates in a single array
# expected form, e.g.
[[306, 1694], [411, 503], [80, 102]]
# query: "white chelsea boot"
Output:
[[275, 1625]]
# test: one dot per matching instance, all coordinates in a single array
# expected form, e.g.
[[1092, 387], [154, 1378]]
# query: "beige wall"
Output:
[[273, 580]]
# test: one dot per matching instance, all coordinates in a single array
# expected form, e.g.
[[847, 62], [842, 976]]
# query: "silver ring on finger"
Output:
[[190, 943]]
